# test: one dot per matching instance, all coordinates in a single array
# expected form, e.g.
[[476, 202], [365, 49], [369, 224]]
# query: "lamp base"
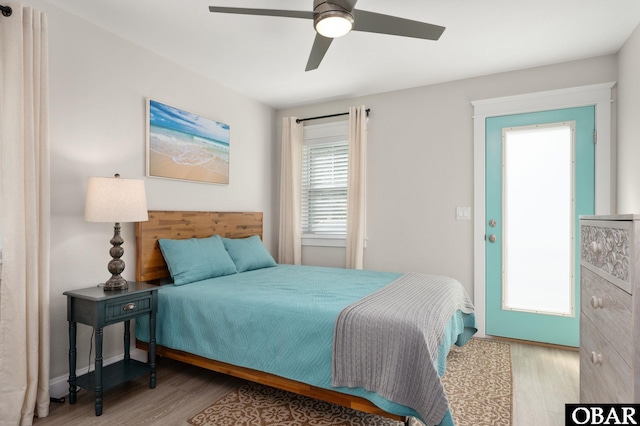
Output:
[[116, 282], [116, 265]]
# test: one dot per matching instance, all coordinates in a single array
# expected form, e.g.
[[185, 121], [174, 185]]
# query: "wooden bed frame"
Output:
[[151, 267]]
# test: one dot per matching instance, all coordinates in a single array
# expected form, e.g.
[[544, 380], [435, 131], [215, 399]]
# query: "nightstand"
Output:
[[98, 308]]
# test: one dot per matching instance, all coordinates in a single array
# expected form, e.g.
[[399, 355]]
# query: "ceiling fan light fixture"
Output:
[[333, 23]]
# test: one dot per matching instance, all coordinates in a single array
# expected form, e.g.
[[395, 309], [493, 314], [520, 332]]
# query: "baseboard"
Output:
[[59, 386], [530, 342]]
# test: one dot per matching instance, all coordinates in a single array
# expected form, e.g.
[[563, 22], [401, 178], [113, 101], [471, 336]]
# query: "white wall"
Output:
[[629, 125], [420, 166], [98, 86]]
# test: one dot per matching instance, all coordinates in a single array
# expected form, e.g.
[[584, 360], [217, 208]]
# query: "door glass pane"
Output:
[[538, 219]]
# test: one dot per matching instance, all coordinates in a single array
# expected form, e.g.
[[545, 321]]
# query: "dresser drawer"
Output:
[[610, 310], [606, 250], [608, 378], [127, 307]]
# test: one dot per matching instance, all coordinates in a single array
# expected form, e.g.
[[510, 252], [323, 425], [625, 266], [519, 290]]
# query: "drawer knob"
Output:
[[129, 307], [596, 302], [595, 247], [596, 358]]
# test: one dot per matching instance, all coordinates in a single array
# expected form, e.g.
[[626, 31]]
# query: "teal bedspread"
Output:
[[278, 320]]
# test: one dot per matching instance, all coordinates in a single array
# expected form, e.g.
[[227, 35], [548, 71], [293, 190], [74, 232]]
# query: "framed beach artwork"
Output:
[[184, 145]]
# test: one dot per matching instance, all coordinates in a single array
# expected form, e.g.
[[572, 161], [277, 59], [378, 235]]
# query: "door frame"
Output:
[[598, 95]]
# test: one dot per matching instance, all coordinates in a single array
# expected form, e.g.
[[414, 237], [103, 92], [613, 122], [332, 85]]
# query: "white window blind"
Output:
[[325, 161]]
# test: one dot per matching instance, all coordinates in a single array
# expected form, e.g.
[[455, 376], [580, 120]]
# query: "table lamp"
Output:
[[116, 200]]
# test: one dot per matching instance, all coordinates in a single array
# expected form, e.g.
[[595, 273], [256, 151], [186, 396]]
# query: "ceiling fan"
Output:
[[335, 18]]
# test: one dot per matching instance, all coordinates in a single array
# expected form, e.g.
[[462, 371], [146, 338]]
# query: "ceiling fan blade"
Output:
[[385, 24], [320, 46], [264, 12]]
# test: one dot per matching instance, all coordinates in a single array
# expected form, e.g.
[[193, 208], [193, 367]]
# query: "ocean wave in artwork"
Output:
[[190, 150]]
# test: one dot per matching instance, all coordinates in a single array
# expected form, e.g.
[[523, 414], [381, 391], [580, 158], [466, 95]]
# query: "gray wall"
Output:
[[629, 126], [420, 157], [420, 166], [98, 86]]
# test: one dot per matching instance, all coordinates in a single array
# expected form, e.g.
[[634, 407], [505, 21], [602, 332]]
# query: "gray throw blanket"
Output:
[[387, 342]]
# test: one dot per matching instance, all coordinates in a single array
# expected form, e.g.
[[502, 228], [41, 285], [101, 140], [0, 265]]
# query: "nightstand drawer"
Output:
[[120, 309]]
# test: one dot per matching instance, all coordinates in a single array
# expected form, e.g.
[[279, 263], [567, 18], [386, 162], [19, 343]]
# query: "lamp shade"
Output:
[[115, 200]]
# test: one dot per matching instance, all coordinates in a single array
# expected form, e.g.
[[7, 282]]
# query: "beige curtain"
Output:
[[24, 217], [356, 187], [290, 241]]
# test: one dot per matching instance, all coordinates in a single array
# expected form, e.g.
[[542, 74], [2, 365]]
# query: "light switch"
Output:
[[463, 213]]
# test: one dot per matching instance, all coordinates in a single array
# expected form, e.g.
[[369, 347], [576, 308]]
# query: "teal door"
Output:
[[540, 176]]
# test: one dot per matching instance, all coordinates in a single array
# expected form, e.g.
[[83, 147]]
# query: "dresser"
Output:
[[609, 305]]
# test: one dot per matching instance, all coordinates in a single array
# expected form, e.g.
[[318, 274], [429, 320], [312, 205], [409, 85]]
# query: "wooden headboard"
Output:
[[150, 264]]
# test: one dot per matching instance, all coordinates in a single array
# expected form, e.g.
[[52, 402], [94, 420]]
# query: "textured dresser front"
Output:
[[607, 331]]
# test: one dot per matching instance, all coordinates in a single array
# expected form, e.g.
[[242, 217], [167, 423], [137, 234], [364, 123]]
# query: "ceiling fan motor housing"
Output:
[[326, 10]]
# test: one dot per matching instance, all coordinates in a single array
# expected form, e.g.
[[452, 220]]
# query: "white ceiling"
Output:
[[264, 57]]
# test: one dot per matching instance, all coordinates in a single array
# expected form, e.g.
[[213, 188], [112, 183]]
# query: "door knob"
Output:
[[492, 238]]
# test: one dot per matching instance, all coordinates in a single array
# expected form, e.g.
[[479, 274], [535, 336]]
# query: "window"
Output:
[[325, 161]]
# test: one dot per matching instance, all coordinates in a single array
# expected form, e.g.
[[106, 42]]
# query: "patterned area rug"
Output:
[[477, 382]]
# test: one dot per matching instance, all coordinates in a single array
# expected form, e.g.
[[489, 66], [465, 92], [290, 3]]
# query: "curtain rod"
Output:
[[300, 120], [6, 10]]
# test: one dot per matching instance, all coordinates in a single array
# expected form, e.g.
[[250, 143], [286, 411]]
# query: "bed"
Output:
[[288, 326]]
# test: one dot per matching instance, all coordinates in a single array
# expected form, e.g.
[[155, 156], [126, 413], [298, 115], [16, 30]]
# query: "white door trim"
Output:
[[596, 94]]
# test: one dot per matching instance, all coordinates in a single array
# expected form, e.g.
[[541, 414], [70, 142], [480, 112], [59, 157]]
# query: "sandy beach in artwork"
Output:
[[179, 155], [163, 166]]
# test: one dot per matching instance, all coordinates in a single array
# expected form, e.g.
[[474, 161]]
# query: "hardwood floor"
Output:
[[182, 391], [544, 379]]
